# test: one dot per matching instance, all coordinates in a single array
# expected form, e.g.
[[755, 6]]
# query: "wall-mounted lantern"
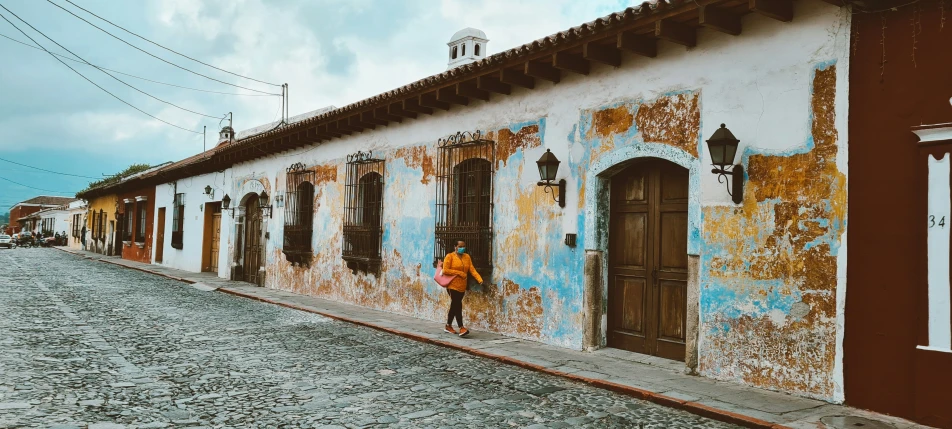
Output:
[[723, 148], [225, 202], [210, 192], [548, 167], [263, 204]]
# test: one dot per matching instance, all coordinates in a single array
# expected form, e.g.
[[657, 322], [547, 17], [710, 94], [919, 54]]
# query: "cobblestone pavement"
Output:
[[88, 344]]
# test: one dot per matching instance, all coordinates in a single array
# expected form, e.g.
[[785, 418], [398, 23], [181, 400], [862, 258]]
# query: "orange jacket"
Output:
[[460, 266]]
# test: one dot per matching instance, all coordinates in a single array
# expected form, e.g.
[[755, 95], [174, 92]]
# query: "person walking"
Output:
[[459, 264], [82, 237]]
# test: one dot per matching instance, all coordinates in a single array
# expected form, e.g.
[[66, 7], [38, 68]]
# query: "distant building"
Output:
[[33, 205]]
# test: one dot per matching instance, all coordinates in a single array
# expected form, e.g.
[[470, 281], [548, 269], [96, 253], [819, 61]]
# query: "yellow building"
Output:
[[101, 224]]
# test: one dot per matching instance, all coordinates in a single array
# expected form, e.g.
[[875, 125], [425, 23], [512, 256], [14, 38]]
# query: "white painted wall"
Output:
[[189, 258]]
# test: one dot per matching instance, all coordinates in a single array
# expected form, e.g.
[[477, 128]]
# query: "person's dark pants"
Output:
[[456, 307]]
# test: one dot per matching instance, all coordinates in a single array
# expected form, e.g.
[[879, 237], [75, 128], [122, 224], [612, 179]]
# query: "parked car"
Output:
[[6, 241]]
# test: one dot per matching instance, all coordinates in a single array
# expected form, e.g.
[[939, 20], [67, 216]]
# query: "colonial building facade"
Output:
[[629, 240]]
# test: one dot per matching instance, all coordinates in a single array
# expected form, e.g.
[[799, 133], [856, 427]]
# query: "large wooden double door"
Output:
[[252, 241], [647, 287]]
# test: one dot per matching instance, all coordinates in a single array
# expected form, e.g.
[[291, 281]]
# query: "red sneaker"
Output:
[[449, 329], [463, 332]]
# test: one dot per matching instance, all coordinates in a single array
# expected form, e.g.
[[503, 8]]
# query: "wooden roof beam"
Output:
[[469, 89], [543, 71], [398, 109], [413, 105], [358, 124], [383, 114], [676, 32], [492, 84], [448, 95], [570, 62], [344, 126], [719, 19], [781, 10], [512, 77], [429, 100], [370, 118], [604, 54], [638, 44], [328, 131]]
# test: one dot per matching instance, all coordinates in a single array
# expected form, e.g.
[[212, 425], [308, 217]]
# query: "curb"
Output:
[[666, 401]]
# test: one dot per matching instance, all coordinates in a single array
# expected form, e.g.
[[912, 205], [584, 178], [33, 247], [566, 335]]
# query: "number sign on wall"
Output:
[[940, 205]]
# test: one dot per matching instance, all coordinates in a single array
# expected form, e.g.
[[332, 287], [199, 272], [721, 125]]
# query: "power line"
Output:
[[50, 171], [139, 77], [151, 54], [87, 79], [33, 187], [110, 74], [167, 49]]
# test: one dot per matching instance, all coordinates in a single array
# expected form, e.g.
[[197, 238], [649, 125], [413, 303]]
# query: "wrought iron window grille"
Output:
[[464, 197], [363, 212], [178, 218], [299, 214], [126, 219]]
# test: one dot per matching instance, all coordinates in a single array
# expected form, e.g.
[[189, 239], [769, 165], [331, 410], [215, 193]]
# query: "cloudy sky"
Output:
[[330, 52]]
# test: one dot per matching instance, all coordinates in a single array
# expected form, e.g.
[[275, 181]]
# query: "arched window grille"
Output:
[[476, 50], [464, 197], [299, 214], [363, 212]]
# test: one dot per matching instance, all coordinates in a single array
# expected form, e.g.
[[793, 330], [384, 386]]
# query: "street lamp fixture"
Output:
[[263, 204], [548, 167], [723, 148], [225, 202], [210, 192]]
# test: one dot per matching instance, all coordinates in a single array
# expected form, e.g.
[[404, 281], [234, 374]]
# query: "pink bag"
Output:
[[441, 279]]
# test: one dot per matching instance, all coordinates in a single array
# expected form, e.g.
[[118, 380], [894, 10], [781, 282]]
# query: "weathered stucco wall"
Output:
[[770, 270], [106, 203]]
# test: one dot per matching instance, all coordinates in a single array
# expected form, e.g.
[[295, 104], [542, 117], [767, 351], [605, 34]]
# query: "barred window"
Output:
[[299, 214], [76, 226], [464, 193], [363, 209], [102, 225], [140, 221], [93, 225], [178, 218], [126, 221]]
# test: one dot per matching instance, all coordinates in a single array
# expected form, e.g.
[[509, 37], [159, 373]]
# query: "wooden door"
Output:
[[160, 236], [216, 237], [252, 250], [647, 288]]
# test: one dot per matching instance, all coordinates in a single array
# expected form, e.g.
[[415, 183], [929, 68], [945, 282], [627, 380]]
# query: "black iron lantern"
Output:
[[262, 203], [225, 202], [723, 148], [548, 168], [209, 192]]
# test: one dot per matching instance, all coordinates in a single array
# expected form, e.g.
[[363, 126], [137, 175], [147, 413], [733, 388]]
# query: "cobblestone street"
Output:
[[88, 344]]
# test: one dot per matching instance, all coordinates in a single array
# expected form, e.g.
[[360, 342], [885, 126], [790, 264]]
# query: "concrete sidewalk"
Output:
[[657, 380]]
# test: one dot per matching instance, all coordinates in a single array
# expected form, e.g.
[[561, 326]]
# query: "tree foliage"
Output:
[[130, 170]]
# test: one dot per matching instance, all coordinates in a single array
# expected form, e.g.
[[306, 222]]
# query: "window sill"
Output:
[[140, 245], [177, 246], [126, 243]]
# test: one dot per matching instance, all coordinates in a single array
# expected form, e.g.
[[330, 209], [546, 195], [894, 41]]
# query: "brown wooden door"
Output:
[[252, 250], [160, 236], [216, 237], [647, 288]]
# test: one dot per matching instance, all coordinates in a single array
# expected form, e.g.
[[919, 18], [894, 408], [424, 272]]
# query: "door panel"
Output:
[[252, 250], [216, 238], [647, 294], [160, 236]]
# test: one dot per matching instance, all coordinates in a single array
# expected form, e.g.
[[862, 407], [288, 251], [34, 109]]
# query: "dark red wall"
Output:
[[133, 251], [887, 209], [18, 212]]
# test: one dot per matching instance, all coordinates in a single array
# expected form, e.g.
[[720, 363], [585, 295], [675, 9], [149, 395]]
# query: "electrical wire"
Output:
[[167, 49], [139, 77], [50, 171], [110, 74], [87, 79], [151, 54], [33, 187]]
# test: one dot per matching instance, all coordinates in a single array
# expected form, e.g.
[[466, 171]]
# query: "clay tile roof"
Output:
[[47, 200]]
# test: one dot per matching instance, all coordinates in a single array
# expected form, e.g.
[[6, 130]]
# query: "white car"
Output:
[[6, 241]]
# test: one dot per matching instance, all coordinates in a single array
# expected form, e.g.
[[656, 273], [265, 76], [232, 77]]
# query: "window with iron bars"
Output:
[[178, 218], [464, 195], [363, 212], [140, 221], [126, 221], [77, 218], [299, 214]]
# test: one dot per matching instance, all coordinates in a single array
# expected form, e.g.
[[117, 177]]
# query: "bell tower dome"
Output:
[[466, 46]]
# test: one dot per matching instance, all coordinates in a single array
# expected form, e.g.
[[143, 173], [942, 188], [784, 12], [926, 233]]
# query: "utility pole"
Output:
[[203, 138]]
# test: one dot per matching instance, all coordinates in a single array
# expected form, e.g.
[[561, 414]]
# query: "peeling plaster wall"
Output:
[[770, 273]]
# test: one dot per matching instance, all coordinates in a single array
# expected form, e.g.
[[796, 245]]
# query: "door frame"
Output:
[[597, 209], [238, 232]]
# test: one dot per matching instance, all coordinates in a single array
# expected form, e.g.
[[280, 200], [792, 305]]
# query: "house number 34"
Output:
[[940, 223]]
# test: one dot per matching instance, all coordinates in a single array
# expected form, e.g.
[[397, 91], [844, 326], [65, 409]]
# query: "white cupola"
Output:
[[466, 46], [226, 135]]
